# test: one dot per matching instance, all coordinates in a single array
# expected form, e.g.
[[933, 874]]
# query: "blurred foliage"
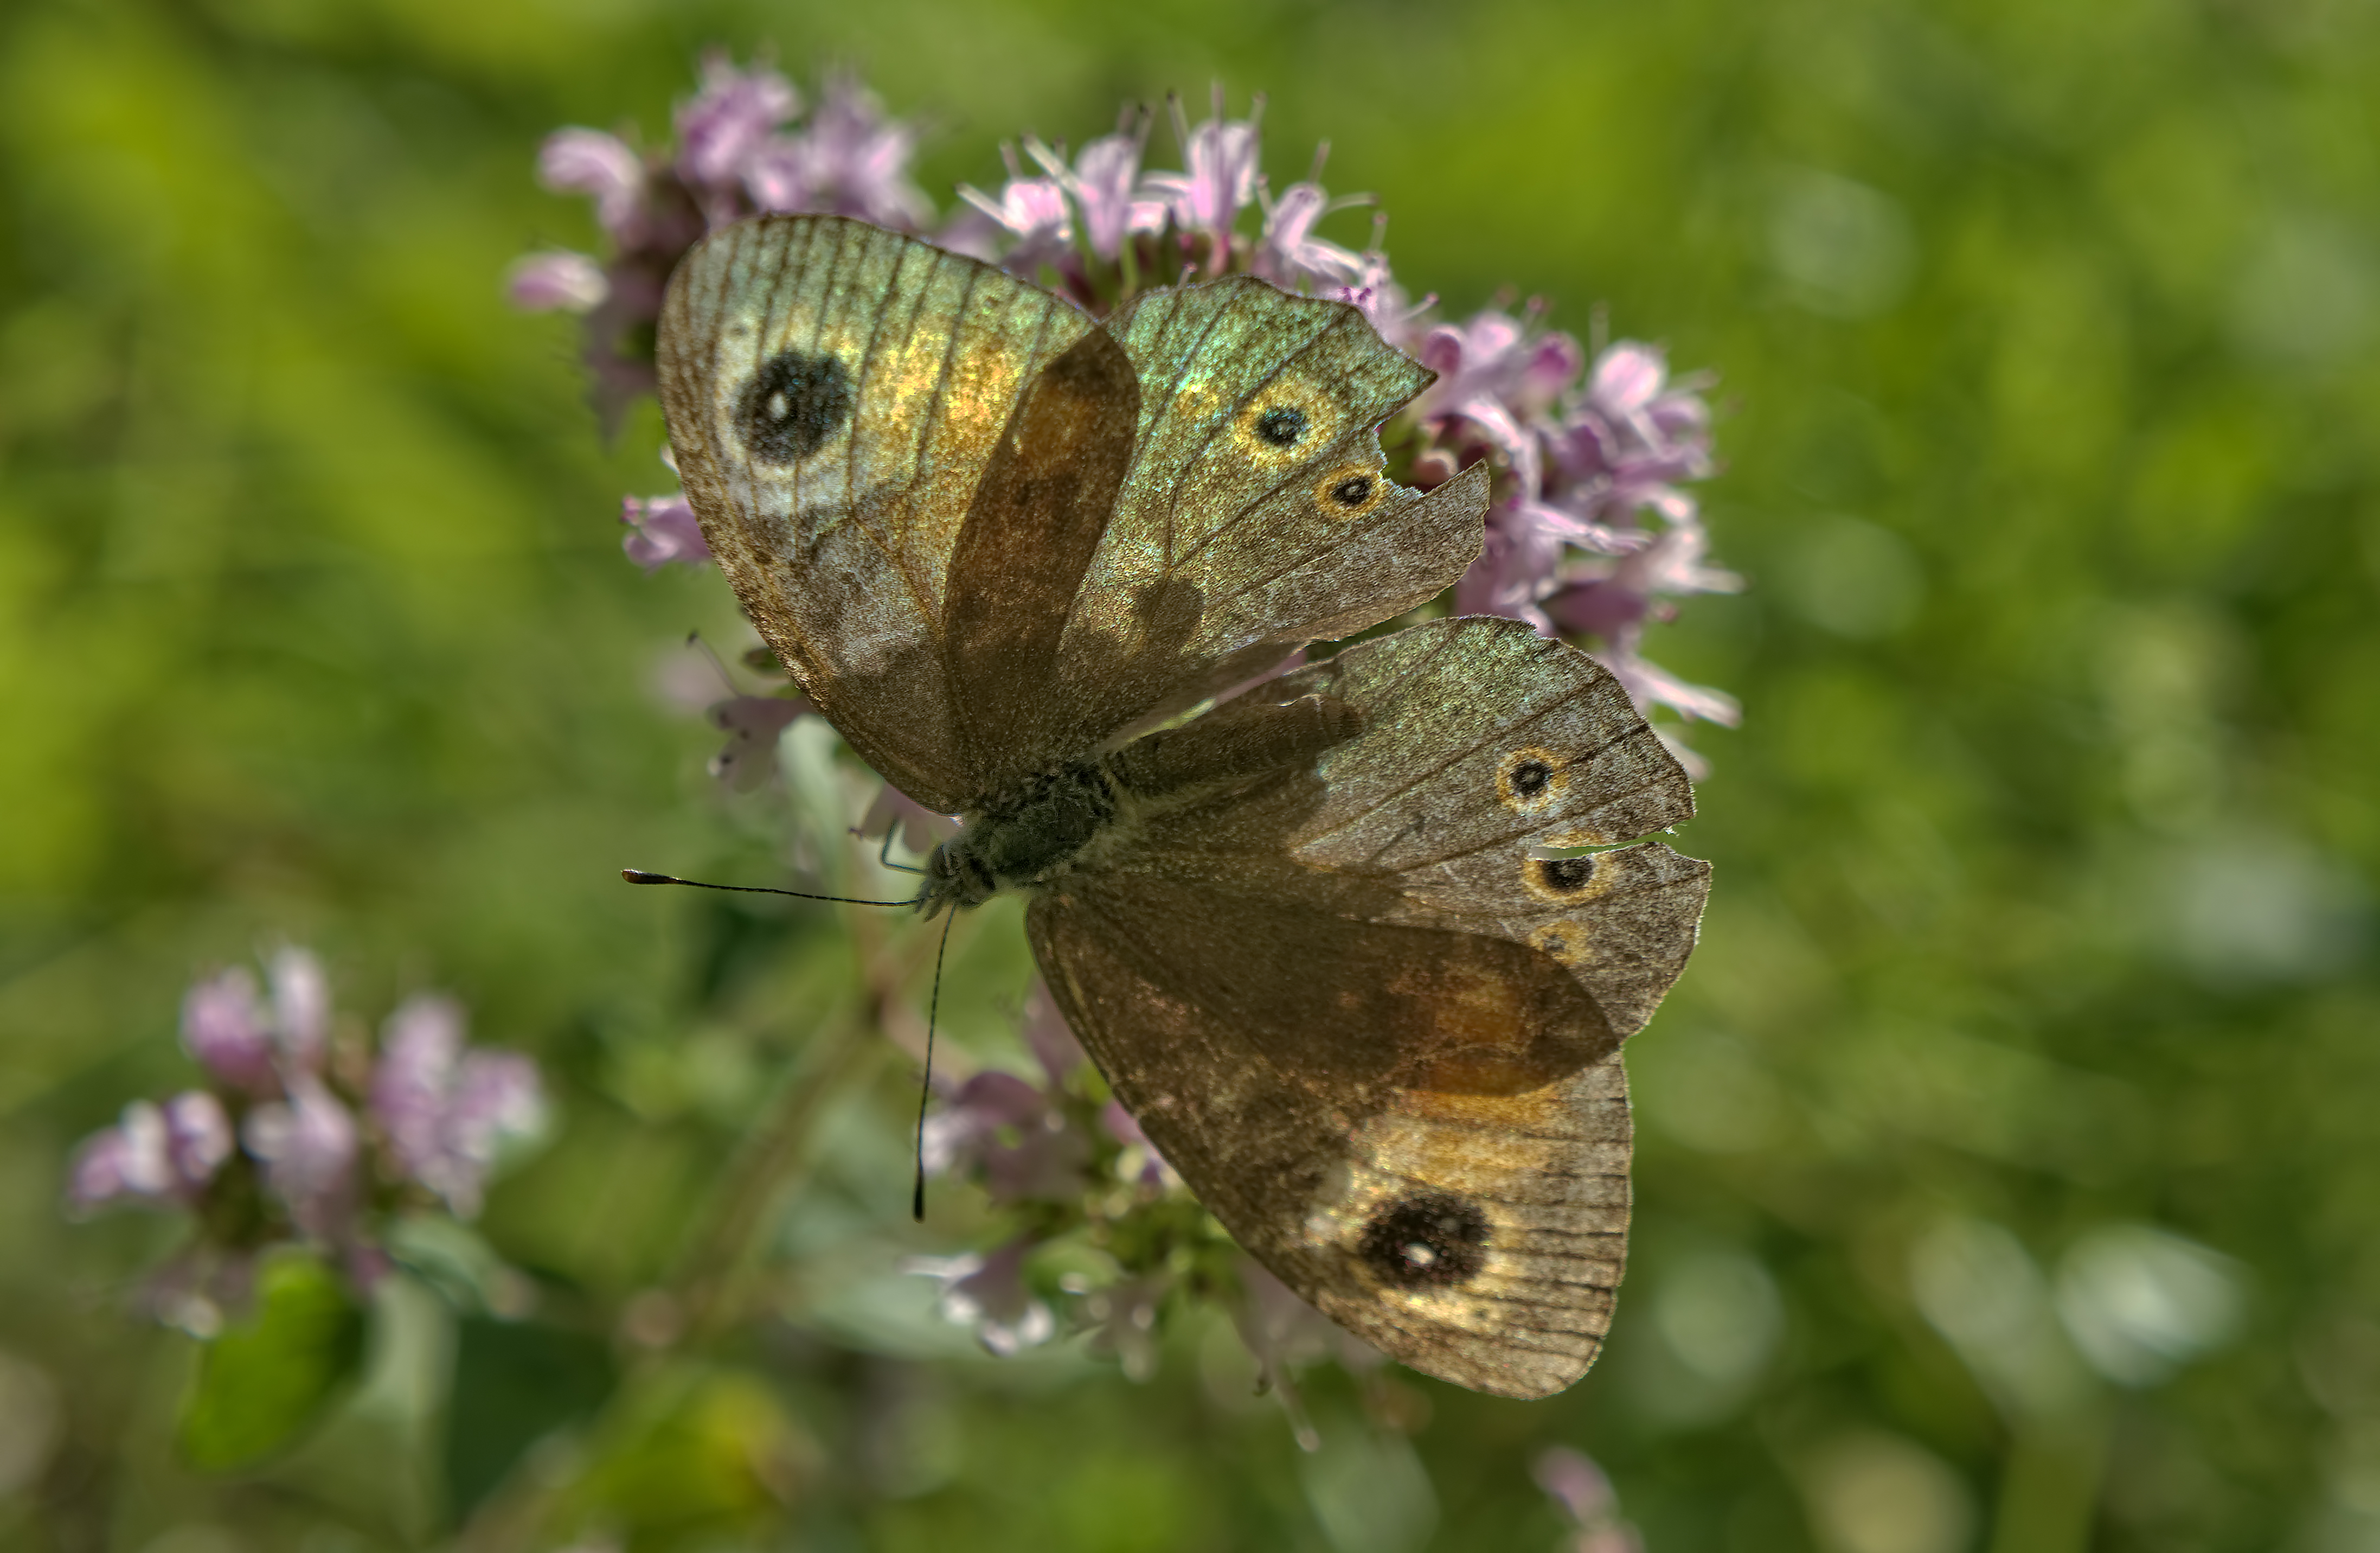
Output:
[[2007, 1176]]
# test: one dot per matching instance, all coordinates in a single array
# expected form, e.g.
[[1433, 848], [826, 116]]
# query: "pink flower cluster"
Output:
[[1068, 1166], [330, 1132], [739, 153], [1585, 453], [1593, 535], [1580, 1490]]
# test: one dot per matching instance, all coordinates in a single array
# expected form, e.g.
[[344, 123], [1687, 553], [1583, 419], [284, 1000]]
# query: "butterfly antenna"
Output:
[[639, 876], [925, 1084]]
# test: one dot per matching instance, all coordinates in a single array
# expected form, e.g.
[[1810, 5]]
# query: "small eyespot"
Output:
[[1290, 419], [1565, 941], [1281, 425], [1350, 491], [1530, 778], [1559, 877], [1431, 1239]]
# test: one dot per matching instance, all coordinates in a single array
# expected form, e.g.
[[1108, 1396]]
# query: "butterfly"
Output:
[[1314, 936]]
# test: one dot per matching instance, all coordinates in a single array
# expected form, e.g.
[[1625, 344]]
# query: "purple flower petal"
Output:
[[301, 1008], [307, 1145], [662, 530], [850, 160], [1107, 185], [197, 1139], [126, 1162], [989, 1294], [1223, 156], [735, 113], [557, 282], [447, 1111], [1035, 216], [919, 828], [592, 162], [1290, 256], [1004, 1126], [223, 1027], [752, 724]]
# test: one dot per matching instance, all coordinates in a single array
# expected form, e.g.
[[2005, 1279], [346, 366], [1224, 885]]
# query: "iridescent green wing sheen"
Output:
[[836, 395], [1484, 744], [1344, 999], [1255, 515]]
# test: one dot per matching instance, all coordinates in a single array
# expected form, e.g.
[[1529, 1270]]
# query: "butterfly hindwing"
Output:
[[1484, 744], [1319, 1080], [1381, 1026]]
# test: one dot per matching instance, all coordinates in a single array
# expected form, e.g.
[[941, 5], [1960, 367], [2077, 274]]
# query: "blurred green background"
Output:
[[2009, 1174]]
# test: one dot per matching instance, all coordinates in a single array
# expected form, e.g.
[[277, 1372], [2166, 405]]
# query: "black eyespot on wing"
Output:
[[1353, 492], [1529, 778], [1431, 1239], [1564, 875], [791, 405], [1281, 425]]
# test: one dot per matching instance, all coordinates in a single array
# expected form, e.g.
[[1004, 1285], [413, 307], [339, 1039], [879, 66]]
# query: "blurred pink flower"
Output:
[[850, 160], [1221, 180], [559, 281], [447, 1110], [307, 1145], [223, 1027], [301, 1008], [725, 124], [1008, 1130], [662, 530], [1121, 1322], [752, 724], [601, 166], [1579, 1487], [157, 1154], [988, 1293]]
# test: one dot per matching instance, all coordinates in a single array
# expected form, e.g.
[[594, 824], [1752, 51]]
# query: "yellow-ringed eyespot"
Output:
[[1285, 421], [1559, 878], [1530, 778], [1350, 491]]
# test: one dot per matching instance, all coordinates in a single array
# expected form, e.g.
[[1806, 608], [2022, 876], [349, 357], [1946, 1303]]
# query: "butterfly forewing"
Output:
[[1257, 510], [834, 394]]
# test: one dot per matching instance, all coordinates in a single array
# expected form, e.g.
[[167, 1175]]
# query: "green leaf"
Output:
[[515, 1382], [263, 1383]]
